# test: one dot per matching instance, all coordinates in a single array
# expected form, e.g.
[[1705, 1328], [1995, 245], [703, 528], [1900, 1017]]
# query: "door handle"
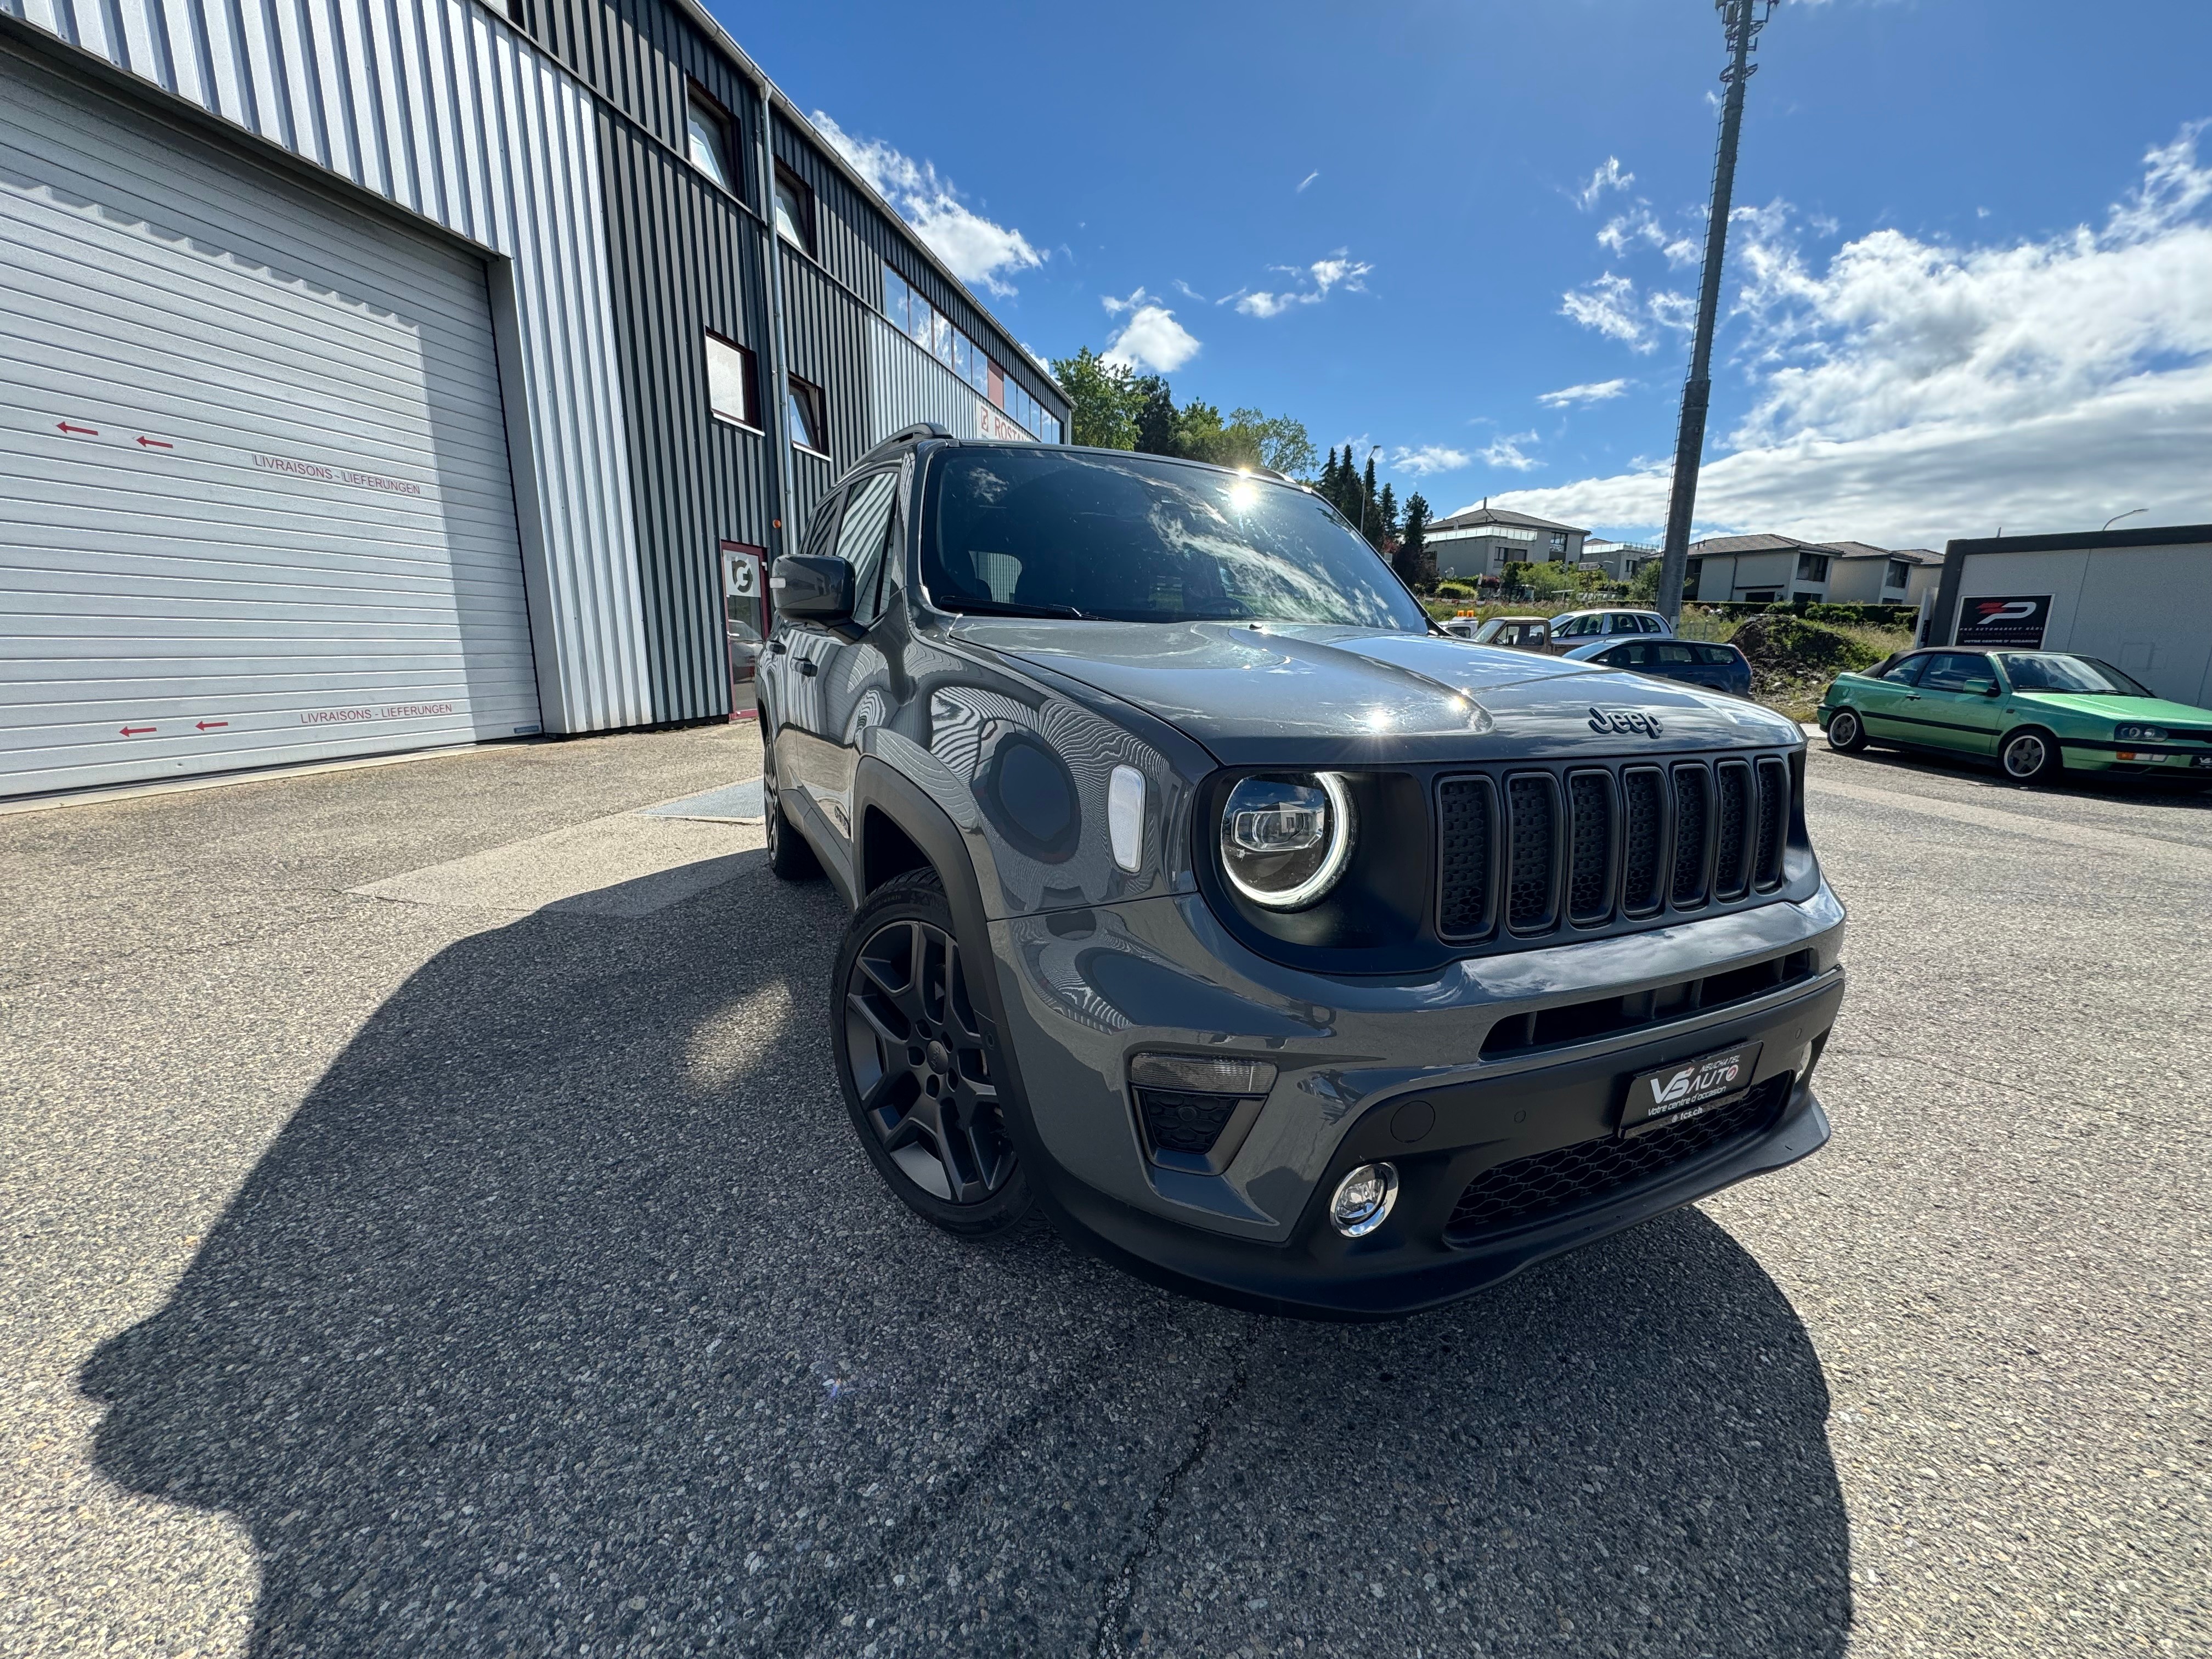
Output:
[[806, 667]]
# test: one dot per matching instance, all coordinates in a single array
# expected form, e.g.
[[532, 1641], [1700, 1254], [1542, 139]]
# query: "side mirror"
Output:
[[816, 585]]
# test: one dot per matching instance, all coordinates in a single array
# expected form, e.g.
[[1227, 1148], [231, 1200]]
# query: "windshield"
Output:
[[1129, 538], [2053, 673]]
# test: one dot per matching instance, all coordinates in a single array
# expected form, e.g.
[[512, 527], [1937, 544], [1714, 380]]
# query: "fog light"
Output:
[[1364, 1199]]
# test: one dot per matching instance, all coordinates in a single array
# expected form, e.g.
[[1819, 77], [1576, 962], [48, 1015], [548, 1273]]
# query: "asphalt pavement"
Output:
[[432, 1228]]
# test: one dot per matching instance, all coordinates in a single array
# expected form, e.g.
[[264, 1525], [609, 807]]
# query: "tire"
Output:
[[789, 857], [918, 1081], [1846, 732], [2029, 756]]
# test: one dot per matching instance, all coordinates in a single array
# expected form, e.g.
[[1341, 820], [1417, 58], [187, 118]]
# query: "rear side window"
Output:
[[1654, 625], [1716, 656], [1905, 673], [1950, 671]]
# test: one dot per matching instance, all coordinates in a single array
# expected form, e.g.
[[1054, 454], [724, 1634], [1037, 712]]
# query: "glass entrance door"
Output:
[[744, 621]]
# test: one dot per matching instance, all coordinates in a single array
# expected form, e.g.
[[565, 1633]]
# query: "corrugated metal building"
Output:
[[378, 376]]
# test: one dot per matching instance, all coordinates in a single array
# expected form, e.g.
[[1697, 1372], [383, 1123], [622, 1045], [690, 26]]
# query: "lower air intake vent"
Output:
[[1179, 1122], [1528, 1187], [1532, 802]]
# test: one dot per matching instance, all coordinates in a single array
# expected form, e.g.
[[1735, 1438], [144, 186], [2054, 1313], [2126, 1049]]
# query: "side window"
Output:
[[860, 538], [1619, 621], [1907, 673], [1716, 656], [1669, 651], [1950, 671], [1578, 627], [1654, 625], [1626, 656]]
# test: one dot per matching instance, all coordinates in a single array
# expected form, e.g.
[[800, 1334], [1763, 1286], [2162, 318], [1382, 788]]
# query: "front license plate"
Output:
[[1687, 1089]]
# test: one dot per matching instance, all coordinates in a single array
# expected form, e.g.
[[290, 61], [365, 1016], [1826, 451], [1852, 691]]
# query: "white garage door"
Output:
[[254, 497]]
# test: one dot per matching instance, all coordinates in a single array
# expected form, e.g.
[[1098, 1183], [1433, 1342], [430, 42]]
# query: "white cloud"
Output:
[[1640, 228], [1429, 458], [978, 250], [1595, 391], [1308, 180], [1905, 391], [1607, 177], [1151, 339], [1611, 305], [1505, 451], [1339, 270]]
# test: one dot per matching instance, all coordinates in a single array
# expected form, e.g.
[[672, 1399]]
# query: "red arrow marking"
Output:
[[153, 443], [212, 726], [136, 730], [88, 431]]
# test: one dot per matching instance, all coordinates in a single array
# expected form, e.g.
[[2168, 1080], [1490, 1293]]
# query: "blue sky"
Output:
[[1970, 279]]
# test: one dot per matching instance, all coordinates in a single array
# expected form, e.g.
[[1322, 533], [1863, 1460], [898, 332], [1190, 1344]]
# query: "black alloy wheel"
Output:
[[919, 1080], [1847, 735], [2030, 756], [789, 857]]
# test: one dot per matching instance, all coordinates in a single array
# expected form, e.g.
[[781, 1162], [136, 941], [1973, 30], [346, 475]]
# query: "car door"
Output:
[[841, 669], [1881, 700], [1951, 705]]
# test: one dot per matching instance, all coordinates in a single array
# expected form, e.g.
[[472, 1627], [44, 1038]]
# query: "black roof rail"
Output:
[[908, 435]]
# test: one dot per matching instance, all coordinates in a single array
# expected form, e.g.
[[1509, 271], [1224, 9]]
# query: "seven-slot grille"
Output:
[[1531, 853]]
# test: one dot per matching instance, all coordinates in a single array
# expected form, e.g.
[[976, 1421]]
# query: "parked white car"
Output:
[[1580, 627]]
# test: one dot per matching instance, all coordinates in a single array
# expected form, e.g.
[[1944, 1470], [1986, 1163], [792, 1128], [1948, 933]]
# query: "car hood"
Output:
[[2136, 711], [1280, 692]]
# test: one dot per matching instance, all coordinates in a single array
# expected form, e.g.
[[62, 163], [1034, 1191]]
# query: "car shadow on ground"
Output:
[[564, 1317]]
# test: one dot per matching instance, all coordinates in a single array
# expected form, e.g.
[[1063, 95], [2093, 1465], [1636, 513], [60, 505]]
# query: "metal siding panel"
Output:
[[518, 163], [247, 615]]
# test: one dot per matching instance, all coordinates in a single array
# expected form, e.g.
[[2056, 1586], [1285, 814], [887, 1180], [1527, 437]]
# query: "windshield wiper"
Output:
[[960, 602]]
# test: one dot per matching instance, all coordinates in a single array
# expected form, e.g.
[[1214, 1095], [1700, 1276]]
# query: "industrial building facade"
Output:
[[378, 376]]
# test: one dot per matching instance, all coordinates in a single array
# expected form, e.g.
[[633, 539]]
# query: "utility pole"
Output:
[[1742, 19]]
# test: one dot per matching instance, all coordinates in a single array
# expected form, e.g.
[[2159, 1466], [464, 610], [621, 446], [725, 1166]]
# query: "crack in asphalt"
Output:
[[1120, 1590]]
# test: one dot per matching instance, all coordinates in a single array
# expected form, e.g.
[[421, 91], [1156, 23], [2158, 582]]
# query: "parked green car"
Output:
[[2035, 713]]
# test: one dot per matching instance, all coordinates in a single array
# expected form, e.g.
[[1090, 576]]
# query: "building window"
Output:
[[795, 209], [732, 386], [1900, 573], [707, 134], [1694, 572], [1558, 543], [1812, 566], [808, 430]]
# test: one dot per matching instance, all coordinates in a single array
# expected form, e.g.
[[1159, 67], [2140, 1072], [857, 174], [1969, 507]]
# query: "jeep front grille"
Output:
[[1528, 854]]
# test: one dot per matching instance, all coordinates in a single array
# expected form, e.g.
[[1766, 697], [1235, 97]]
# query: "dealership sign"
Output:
[[2017, 621]]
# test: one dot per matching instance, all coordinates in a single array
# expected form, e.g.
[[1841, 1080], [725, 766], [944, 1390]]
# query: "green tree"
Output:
[[1412, 558], [1152, 407], [1100, 392], [1281, 441], [1332, 479]]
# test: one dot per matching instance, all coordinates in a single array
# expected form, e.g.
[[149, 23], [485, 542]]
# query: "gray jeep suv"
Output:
[[1273, 944]]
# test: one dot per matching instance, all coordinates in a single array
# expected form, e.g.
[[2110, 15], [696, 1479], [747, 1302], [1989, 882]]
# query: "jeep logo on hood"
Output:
[[1626, 721]]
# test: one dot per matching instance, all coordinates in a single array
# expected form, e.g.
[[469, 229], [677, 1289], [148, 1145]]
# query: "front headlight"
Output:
[[1285, 840], [2140, 733]]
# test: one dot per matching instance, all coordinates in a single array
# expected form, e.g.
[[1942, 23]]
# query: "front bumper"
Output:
[[1391, 1071]]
